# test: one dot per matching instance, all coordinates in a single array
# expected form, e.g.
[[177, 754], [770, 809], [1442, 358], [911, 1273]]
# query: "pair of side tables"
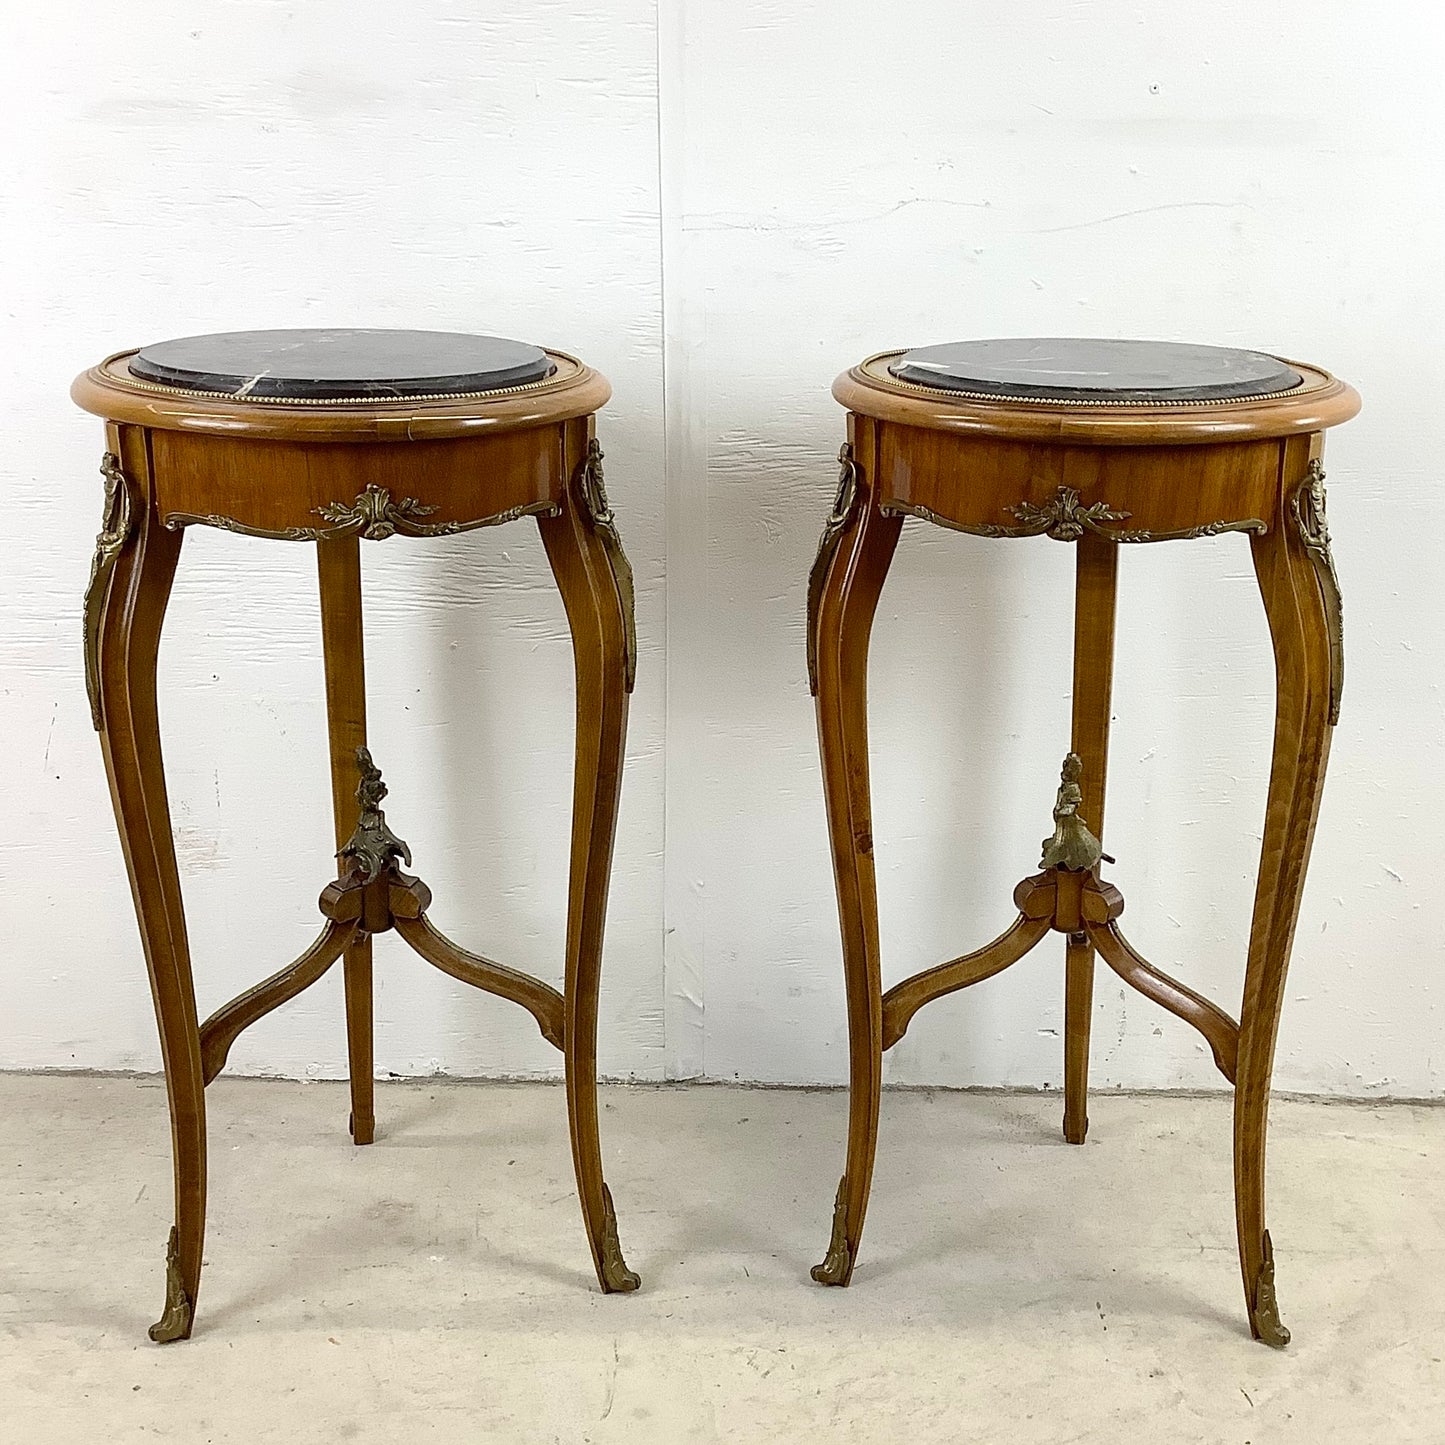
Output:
[[335, 436]]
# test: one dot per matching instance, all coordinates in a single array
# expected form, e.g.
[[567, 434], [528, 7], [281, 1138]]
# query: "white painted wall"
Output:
[[722, 207]]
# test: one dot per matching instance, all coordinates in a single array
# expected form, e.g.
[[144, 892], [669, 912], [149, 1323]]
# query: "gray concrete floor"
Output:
[[436, 1287]]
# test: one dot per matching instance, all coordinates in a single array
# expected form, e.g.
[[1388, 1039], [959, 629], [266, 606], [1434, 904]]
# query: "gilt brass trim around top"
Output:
[[1066, 518], [593, 491], [1308, 508], [374, 514], [827, 545], [115, 529]]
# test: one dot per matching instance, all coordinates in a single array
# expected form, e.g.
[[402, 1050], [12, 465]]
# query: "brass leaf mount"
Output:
[[175, 1321], [1066, 517], [843, 504], [1308, 507], [115, 529], [592, 490], [838, 1262], [1267, 1322], [373, 514], [616, 1277]]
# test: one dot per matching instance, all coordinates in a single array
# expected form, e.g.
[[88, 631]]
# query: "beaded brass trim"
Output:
[[1308, 507], [593, 492], [557, 378], [115, 529], [827, 546], [1066, 519], [373, 515], [874, 369]]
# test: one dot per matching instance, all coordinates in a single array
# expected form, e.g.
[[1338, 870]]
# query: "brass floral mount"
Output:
[[1066, 517], [843, 505], [115, 529], [1308, 507], [592, 491], [373, 514], [175, 1320]]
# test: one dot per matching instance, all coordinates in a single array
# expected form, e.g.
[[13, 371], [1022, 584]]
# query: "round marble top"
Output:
[[341, 362], [1079, 369]]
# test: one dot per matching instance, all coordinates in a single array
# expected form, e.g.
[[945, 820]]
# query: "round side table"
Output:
[[330, 437], [1095, 443]]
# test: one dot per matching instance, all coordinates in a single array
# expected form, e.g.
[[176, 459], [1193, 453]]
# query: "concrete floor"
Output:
[[436, 1286]]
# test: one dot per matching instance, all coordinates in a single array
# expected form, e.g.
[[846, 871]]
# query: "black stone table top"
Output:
[[342, 362], [1078, 369]]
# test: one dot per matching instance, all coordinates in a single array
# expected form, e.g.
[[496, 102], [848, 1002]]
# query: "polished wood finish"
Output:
[[1098, 476], [1095, 589], [333, 474], [343, 648]]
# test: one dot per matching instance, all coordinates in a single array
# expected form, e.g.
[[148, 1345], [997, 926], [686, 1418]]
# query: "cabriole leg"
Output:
[[1296, 579], [856, 549], [128, 601], [596, 586]]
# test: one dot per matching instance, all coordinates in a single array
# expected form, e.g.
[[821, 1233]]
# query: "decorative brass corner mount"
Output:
[[593, 492], [843, 505], [1266, 1306], [175, 1322], [373, 845], [1308, 507], [115, 530], [1065, 518], [616, 1277], [1072, 847], [838, 1260]]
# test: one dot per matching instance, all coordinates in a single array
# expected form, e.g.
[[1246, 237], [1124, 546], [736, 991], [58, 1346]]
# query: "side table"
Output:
[[330, 437], [1097, 443]]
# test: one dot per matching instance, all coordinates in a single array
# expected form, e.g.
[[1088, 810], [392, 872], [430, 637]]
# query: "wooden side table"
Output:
[[1098, 444], [330, 437]]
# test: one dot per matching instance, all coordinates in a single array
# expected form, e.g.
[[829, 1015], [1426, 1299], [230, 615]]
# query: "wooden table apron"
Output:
[[1098, 476], [335, 473]]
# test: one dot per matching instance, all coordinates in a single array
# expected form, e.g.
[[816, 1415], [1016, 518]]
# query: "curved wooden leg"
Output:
[[1094, 595], [596, 586], [1291, 562], [338, 562], [856, 550], [130, 614]]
